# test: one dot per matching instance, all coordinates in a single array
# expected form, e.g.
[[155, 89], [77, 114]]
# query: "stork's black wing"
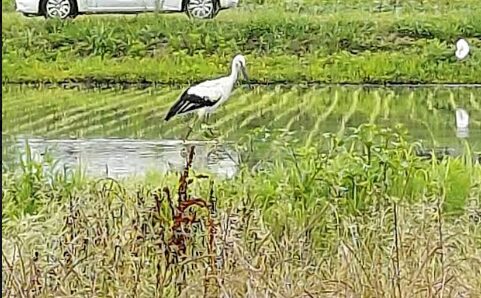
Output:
[[189, 102]]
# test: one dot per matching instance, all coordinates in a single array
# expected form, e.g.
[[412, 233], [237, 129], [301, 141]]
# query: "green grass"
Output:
[[362, 219], [279, 46]]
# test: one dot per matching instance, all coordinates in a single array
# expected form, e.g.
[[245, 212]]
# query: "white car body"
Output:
[[33, 7]]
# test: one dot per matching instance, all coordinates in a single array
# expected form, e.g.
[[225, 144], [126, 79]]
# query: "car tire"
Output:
[[59, 9], [201, 9]]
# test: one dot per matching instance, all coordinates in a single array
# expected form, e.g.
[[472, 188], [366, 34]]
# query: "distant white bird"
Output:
[[204, 98], [462, 49], [462, 118]]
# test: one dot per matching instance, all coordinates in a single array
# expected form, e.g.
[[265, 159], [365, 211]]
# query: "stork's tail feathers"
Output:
[[169, 115], [176, 107]]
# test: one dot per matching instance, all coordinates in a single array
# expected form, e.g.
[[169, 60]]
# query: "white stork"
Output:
[[462, 49], [204, 98]]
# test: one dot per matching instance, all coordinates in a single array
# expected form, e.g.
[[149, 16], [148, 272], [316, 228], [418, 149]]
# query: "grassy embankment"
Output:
[[366, 218], [334, 46]]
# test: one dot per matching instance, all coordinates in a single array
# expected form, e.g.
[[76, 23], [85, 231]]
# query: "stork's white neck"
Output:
[[234, 73]]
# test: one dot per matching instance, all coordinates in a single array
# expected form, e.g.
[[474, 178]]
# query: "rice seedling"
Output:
[[427, 112]]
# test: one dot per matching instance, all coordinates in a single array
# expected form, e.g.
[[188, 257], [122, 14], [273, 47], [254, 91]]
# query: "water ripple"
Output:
[[119, 157]]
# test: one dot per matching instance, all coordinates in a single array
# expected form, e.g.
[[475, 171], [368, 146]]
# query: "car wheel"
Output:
[[201, 9], [59, 9]]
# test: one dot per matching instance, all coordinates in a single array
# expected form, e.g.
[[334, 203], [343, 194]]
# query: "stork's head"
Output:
[[239, 64]]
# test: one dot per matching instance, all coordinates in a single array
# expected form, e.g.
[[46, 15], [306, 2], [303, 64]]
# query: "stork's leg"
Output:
[[211, 131], [205, 121], [191, 127], [208, 126], [188, 134]]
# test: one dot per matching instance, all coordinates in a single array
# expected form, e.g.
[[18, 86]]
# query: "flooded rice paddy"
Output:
[[122, 132]]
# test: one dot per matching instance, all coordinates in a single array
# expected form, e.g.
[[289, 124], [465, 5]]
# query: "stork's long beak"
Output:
[[246, 77]]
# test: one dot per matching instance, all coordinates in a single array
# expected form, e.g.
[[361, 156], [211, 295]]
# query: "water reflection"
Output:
[[462, 133], [462, 123], [119, 158]]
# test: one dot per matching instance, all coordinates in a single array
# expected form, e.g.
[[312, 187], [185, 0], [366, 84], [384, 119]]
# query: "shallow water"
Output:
[[119, 158], [121, 132]]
